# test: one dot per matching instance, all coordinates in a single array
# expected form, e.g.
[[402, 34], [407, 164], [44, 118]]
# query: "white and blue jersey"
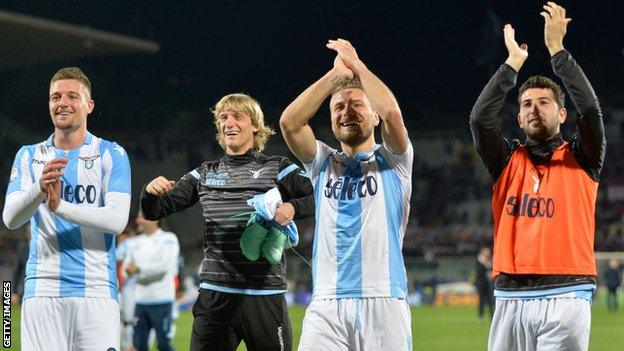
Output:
[[67, 259], [362, 208]]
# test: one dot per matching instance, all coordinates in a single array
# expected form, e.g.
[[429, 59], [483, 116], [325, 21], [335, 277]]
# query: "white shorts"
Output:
[[540, 324], [377, 323], [70, 323]]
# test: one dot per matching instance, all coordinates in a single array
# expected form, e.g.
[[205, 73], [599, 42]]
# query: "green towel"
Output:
[[273, 245], [253, 237]]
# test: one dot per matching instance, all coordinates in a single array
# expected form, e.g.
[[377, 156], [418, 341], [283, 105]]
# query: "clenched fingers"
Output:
[[159, 186]]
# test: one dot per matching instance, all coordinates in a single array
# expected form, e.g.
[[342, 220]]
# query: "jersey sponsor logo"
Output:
[[256, 174], [530, 206], [88, 161], [39, 162], [13, 176], [347, 188], [79, 193], [216, 178]]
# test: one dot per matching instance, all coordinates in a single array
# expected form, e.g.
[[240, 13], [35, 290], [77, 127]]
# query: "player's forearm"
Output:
[[515, 62], [111, 218], [590, 125], [20, 206], [304, 206], [380, 96], [299, 112], [296, 189], [384, 103], [152, 273], [484, 125], [492, 98], [159, 268], [577, 85]]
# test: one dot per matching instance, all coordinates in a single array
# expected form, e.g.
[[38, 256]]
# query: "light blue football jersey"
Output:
[[66, 259], [362, 209]]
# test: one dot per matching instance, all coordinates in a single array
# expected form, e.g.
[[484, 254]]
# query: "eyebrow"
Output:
[[342, 101], [539, 98], [64, 92]]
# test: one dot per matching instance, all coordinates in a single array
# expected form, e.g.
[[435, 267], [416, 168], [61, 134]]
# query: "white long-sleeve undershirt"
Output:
[[112, 218]]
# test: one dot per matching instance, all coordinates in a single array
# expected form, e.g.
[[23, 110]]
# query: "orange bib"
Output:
[[544, 216]]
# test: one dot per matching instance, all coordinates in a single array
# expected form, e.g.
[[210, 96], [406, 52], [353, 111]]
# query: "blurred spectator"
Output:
[[612, 281], [484, 283]]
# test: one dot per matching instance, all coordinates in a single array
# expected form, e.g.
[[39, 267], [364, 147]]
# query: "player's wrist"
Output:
[[515, 62], [358, 67], [554, 49]]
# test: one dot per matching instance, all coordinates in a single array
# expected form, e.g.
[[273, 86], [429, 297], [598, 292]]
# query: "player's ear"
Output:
[[563, 115]]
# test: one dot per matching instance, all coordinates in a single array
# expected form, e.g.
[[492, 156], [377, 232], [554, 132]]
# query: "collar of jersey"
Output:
[[541, 151], [88, 140], [245, 158], [354, 162]]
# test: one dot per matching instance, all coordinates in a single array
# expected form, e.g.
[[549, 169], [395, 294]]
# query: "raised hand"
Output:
[[341, 69], [517, 53], [555, 26], [346, 52], [53, 195], [52, 172], [159, 186]]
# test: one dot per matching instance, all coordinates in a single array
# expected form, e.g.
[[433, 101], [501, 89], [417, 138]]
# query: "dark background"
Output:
[[435, 55]]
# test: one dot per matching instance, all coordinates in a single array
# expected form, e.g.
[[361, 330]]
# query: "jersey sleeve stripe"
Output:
[[286, 171]]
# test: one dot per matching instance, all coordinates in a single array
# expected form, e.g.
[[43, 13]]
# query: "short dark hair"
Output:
[[72, 73], [542, 82], [353, 83]]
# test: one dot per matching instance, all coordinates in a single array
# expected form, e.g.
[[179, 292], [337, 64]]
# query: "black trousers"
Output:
[[486, 298], [222, 320]]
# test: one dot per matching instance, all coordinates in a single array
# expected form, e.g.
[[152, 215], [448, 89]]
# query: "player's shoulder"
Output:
[[32, 148], [281, 161], [109, 146], [201, 170]]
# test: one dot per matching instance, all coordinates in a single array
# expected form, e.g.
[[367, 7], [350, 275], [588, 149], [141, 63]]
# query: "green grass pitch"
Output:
[[433, 328]]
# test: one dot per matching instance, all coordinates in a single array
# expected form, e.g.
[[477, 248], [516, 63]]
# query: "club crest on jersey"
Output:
[[13, 175], [88, 161], [256, 174]]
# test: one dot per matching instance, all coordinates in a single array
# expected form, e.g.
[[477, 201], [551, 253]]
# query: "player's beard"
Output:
[[540, 132], [353, 138], [65, 123]]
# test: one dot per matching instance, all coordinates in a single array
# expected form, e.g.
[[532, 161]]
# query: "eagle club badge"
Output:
[[88, 161]]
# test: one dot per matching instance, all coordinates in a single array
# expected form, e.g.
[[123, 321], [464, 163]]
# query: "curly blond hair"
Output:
[[243, 103]]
